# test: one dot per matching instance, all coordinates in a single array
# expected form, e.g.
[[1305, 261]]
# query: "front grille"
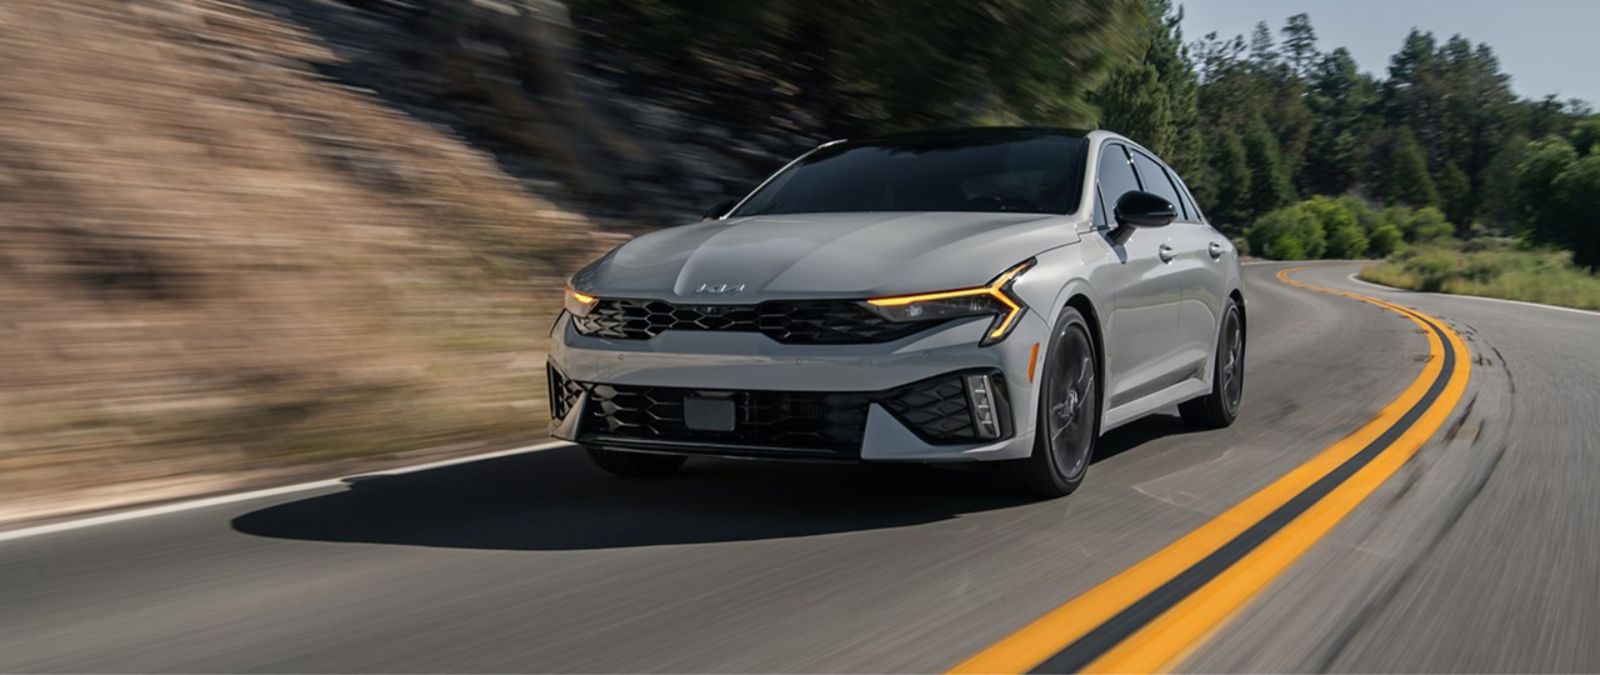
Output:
[[936, 409], [563, 392], [810, 322], [812, 421]]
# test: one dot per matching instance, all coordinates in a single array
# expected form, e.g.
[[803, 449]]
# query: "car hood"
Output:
[[823, 255]]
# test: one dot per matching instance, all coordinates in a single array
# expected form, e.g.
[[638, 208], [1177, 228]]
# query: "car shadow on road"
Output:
[[555, 500]]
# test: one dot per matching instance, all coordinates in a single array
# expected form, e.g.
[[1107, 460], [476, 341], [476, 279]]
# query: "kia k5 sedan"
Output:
[[996, 296]]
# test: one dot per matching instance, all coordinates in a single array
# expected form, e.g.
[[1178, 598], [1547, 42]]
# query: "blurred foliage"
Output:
[[880, 66]]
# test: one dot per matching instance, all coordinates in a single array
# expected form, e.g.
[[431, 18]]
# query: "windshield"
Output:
[[1011, 171]]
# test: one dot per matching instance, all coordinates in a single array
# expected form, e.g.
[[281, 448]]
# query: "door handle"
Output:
[[1166, 253], [1215, 249]]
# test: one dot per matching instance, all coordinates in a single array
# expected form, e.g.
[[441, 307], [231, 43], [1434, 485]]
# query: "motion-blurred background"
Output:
[[242, 240]]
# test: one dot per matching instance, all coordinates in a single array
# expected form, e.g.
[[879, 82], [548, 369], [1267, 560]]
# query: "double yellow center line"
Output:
[[1153, 614]]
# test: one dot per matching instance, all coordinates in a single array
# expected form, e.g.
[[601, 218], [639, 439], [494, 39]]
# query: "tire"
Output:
[[1068, 419], [633, 464], [1219, 408]]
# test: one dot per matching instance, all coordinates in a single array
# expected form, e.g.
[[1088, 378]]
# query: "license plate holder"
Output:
[[703, 413]]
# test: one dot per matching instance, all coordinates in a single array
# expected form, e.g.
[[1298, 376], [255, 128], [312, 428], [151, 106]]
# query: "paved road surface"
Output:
[[1482, 554]]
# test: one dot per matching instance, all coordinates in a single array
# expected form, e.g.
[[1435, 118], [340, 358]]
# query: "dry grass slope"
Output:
[[1496, 270], [217, 265]]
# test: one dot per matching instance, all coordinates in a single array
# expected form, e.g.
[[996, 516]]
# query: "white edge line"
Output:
[[1524, 303], [219, 500]]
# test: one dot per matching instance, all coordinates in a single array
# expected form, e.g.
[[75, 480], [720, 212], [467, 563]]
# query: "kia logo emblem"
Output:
[[719, 289]]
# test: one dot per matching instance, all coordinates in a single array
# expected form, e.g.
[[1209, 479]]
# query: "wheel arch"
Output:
[[1244, 316], [1091, 316]]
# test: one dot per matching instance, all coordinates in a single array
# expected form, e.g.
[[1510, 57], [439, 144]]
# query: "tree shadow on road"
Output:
[[555, 500]]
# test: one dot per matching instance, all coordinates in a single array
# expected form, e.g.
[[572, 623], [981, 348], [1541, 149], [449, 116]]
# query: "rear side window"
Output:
[[1116, 175], [1188, 198], [1156, 181]]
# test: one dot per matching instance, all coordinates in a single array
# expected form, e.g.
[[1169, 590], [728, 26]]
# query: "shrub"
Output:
[[1427, 224], [1385, 241], [1493, 268], [1348, 241], [1290, 233]]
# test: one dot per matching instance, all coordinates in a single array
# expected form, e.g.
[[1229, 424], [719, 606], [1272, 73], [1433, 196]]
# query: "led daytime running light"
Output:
[[995, 289]]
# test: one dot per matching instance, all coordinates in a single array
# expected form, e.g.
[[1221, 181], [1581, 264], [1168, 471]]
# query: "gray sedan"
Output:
[[996, 295]]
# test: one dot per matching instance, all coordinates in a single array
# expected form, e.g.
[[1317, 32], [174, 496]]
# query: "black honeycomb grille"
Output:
[[813, 421], [789, 322], [936, 409], [563, 392]]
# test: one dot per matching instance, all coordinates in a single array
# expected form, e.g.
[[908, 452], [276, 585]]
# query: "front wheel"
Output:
[[1219, 408], [633, 463], [1068, 421]]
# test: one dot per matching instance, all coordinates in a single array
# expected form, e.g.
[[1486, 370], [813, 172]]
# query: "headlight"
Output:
[[994, 299], [579, 304]]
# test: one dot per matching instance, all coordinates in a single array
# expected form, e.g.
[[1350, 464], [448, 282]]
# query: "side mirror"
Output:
[[721, 208], [1143, 209]]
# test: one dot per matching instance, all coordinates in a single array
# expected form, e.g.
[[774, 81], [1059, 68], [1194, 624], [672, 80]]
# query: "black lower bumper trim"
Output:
[[714, 449], [773, 423]]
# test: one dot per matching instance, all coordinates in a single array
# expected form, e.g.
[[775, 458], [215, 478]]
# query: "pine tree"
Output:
[[1404, 178], [1300, 45], [1497, 199], [1230, 178], [1263, 53], [1455, 195], [1270, 187], [1340, 99], [1153, 100]]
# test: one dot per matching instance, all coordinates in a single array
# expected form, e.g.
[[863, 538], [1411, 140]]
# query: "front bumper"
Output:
[[906, 400]]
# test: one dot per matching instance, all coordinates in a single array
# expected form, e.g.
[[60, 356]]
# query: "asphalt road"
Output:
[[1481, 554]]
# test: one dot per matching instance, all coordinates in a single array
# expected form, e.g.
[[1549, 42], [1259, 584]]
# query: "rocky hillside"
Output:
[[232, 244]]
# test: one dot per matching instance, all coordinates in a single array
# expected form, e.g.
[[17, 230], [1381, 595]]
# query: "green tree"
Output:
[[1231, 179], [1497, 198], [1453, 99], [1299, 44], [1269, 183], [1576, 191], [1586, 136], [1154, 99], [1340, 99], [1404, 178], [1455, 193], [1538, 211], [875, 66], [1263, 53]]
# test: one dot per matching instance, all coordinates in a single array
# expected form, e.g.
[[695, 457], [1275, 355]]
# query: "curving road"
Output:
[[1481, 554]]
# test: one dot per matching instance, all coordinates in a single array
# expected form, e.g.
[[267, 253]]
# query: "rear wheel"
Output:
[[624, 463], [1068, 417], [1219, 408]]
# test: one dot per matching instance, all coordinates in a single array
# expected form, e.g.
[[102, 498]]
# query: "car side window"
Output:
[[1156, 181], [1116, 176], [1100, 219], [1188, 198]]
